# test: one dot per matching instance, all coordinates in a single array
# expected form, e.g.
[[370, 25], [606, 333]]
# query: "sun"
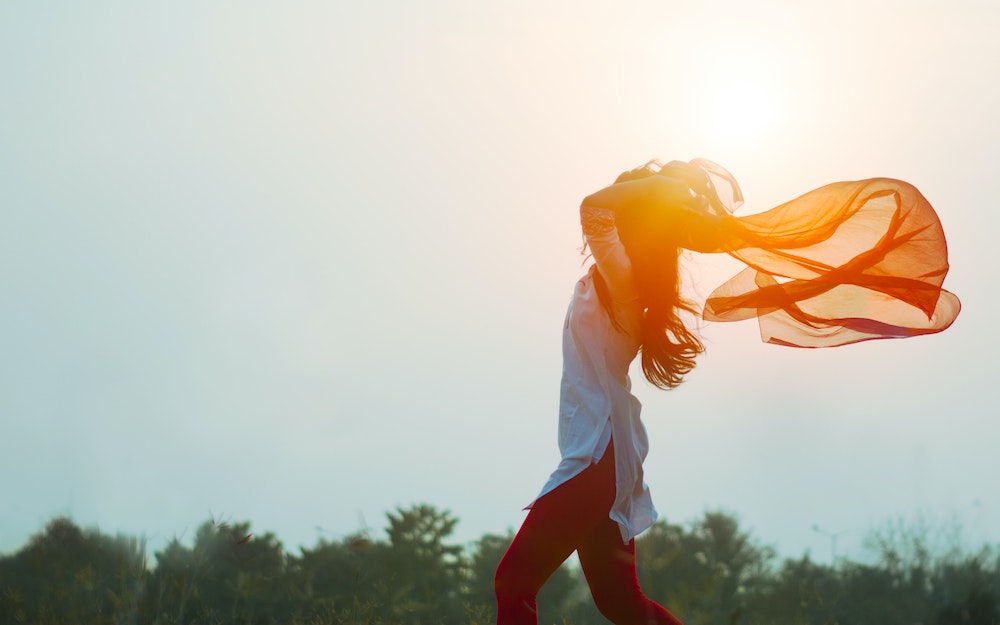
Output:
[[741, 95]]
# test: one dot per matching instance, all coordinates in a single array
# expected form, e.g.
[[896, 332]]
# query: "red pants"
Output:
[[574, 516]]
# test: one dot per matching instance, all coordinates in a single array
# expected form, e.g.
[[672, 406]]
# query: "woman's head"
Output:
[[684, 212], [711, 184], [653, 235]]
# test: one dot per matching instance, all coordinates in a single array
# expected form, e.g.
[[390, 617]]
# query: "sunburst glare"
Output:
[[742, 109], [741, 96]]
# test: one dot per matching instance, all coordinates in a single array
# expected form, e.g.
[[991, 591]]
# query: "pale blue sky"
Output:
[[300, 263]]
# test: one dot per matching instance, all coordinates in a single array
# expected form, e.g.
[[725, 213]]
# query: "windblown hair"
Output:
[[668, 346]]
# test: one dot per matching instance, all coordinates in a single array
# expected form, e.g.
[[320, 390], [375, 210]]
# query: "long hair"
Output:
[[668, 346]]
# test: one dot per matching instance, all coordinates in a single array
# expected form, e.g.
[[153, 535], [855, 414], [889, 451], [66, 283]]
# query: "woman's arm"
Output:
[[663, 204], [609, 254], [654, 192]]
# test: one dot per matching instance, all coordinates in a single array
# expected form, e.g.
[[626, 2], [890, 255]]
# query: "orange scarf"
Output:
[[848, 262]]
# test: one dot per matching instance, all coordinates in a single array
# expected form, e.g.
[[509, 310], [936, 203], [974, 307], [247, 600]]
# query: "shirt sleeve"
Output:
[[609, 253]]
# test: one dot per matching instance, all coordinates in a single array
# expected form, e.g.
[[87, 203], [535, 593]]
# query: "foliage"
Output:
[[229, 575], [64, 572], [705, 574], [709, 572]]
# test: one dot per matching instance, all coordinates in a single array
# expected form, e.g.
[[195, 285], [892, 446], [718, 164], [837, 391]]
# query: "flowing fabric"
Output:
[[847, 262]]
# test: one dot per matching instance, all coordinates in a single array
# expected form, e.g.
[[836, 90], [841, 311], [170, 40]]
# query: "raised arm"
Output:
[[665, 208], [653, 193], [653, 202], [609, 254]]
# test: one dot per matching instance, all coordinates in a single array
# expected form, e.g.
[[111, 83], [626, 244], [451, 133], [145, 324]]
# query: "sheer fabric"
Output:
[[848, 262]]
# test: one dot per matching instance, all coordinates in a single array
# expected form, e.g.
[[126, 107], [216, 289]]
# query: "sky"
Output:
[[300, 263]]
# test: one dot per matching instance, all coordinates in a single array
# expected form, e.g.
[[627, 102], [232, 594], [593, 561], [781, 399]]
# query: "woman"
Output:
[[596, 502], [844, 263]]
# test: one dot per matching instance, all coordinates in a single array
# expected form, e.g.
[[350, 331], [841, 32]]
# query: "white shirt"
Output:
[[595, 401]]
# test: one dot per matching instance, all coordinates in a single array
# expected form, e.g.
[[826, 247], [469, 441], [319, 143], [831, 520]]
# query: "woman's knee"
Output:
[[623, 605]]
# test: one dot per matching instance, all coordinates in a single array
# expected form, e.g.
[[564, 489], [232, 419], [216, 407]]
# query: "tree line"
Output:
[[707, 572]]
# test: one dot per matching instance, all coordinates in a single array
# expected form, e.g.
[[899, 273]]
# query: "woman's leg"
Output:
[[609, 566], [555, 526]]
